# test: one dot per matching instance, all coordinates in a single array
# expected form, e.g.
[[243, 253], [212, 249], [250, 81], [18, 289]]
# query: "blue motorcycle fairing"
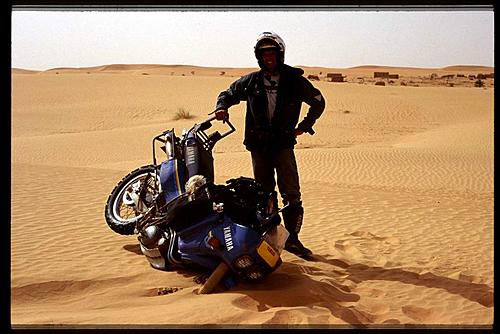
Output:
[[236, 240], [192, 246], [173, 178]]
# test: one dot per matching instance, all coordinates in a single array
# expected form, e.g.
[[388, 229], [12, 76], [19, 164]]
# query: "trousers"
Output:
[[287, 177], [283, 164]]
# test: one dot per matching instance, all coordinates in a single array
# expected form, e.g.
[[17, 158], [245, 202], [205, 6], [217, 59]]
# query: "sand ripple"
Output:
[[397, 186]]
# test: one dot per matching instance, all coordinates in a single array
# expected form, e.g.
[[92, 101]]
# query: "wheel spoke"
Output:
[[127, 212]]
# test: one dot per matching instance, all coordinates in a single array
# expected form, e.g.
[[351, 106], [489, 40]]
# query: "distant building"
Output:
[[381, 75], [393, 76], [448, 76], [313, 77], [335, 77]]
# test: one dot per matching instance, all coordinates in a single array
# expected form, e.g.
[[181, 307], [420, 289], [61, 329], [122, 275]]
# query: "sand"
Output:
[[397, 186]]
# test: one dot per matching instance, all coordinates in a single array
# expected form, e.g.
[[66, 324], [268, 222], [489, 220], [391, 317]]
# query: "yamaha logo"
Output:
[[228, 238]]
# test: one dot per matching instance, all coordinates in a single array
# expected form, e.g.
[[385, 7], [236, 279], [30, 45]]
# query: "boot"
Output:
[[292, 217]]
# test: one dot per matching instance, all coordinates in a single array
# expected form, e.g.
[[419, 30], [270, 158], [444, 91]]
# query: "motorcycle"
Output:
[[182, 219]]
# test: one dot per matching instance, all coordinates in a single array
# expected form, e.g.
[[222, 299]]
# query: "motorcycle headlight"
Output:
[[255, 273], [243, 262]]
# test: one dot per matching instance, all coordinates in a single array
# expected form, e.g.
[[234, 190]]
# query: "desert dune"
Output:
[[397, 185]]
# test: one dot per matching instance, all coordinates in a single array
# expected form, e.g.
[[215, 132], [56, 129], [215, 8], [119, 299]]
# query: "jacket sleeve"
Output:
[[233, 95], [313, 97]]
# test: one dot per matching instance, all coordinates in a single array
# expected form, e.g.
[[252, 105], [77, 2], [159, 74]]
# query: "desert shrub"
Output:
[[182, 114], [379, 83], [479, 83]]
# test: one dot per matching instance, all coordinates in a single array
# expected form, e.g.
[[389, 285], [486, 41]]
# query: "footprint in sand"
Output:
[[370, 236], [370, 292], [362, 234], [248, 303], [373, 312], [368, 246], [470, 278], [419, 314], [349, 250], [394, 241]]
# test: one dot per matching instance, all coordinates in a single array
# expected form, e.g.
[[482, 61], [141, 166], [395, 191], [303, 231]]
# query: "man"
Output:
[[274, 96]]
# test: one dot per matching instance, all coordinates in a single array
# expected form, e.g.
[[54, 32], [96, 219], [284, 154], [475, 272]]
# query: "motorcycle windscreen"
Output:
[[276, 237], [173, 178], [272, 245]]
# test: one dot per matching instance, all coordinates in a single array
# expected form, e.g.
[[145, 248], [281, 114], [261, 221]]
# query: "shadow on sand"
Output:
[[298, 290], [295, 289], [479, 293]]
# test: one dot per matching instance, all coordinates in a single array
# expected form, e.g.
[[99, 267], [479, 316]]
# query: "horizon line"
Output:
[[242, 67]]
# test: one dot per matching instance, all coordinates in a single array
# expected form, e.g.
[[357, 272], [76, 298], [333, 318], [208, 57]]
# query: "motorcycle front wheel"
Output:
[[134, 195]]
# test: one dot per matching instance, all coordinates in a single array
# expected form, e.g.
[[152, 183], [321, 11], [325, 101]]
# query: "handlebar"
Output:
[[210, 140], [208, 123], [170, 141]]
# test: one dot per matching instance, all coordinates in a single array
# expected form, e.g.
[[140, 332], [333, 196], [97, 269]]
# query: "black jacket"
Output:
[[293, 89]]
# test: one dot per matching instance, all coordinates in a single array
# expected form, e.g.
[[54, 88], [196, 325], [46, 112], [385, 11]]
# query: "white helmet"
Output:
[[267, 40]]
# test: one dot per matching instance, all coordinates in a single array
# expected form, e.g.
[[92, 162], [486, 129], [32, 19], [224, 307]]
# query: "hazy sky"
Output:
[[48, 39]]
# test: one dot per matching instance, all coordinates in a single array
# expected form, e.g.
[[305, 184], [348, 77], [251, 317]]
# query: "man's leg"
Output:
[[263, 170], [289, 187]]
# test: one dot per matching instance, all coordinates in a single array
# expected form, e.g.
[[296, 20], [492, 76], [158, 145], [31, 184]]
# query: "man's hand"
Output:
[[222, 115], [298, 132]]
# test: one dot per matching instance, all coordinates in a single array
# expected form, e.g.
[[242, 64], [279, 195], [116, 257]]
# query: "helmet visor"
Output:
[[267, 45]]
